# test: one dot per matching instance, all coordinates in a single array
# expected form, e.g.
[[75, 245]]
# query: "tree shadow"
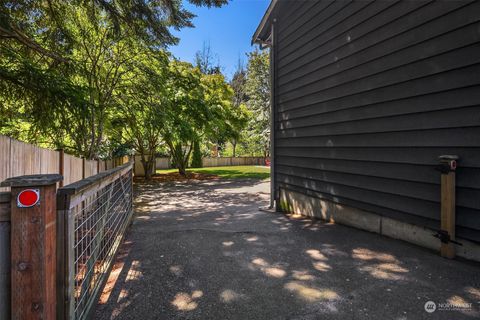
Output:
[[203, 250]]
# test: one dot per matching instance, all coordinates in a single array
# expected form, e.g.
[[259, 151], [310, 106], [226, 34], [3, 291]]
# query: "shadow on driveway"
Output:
[[203, 250]]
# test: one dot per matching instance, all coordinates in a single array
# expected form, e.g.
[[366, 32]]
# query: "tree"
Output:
[[204, 60], [63, 62], [142, 107], [238, 84], [42, 26], [104, 60], [239, 121], [226, 119], [257, 87], [185, 115], [200, 109], [196, 156], [35, 97]]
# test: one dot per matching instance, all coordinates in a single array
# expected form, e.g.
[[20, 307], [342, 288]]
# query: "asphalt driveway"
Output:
[[203, 250]]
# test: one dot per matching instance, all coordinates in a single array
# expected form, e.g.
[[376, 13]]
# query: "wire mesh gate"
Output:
[[92, 216]]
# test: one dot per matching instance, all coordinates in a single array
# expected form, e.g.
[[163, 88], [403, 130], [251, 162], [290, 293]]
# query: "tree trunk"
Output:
[[234, 145], [148, 171], [179, 157], [145, 170], [182, 171], [147, 167], [179, 161], [181, 165]]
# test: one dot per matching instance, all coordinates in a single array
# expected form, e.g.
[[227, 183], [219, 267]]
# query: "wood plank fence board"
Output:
[[5, 162], [18, 158], [4, 206]]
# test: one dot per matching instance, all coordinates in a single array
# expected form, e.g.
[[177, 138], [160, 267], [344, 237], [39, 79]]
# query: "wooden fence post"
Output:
[[65, 256], [61, 165], [33, 245], [5, 287], [84, 168]]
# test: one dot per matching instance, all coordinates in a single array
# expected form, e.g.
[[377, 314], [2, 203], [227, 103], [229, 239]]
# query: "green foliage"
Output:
[[93, 77], [43, 26], [257, 87], [196, 156], [64, 63], [142, 106], [200, 108], [251, 100], [185, 116]]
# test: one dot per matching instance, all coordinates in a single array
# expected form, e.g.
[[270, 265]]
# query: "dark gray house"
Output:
[[366, 96]]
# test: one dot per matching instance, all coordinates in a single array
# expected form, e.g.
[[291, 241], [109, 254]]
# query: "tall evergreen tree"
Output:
[[196, 156], [258, 91]]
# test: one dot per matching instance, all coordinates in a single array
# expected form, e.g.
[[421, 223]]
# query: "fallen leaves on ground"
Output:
[[175, 176]]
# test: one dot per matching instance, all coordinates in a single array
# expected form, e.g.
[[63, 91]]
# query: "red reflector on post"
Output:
[[28, 198]]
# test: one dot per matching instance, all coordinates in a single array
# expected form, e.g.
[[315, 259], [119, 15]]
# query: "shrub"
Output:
[[196, 156]]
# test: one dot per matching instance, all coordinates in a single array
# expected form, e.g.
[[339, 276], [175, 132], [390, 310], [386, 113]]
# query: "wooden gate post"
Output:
[[33, 246], [5, 286], [448, 165]]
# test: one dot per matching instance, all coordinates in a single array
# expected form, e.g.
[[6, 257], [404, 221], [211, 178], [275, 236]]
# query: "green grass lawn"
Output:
[[230, 172]]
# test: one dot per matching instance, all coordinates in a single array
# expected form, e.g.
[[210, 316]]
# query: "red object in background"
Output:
[[267, 162], [28, 198]]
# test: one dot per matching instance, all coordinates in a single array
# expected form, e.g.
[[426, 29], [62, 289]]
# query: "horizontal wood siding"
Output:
[[369, 94]]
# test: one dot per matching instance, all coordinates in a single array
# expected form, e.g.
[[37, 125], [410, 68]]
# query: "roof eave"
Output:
[[261, 35]]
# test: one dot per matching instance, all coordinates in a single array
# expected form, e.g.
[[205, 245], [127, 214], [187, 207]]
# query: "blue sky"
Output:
[[228, 29]]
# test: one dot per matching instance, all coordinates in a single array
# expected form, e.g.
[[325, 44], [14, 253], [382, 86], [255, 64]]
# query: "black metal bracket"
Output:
[[444, 168], [444, 237]]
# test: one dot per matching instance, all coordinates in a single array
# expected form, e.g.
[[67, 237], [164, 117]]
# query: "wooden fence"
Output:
[[76, 232], [162, 163], [233, 161], [92, 216], [165, 163], [19, 158]]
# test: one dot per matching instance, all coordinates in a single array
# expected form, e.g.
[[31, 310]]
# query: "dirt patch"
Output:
[[175, 176]]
